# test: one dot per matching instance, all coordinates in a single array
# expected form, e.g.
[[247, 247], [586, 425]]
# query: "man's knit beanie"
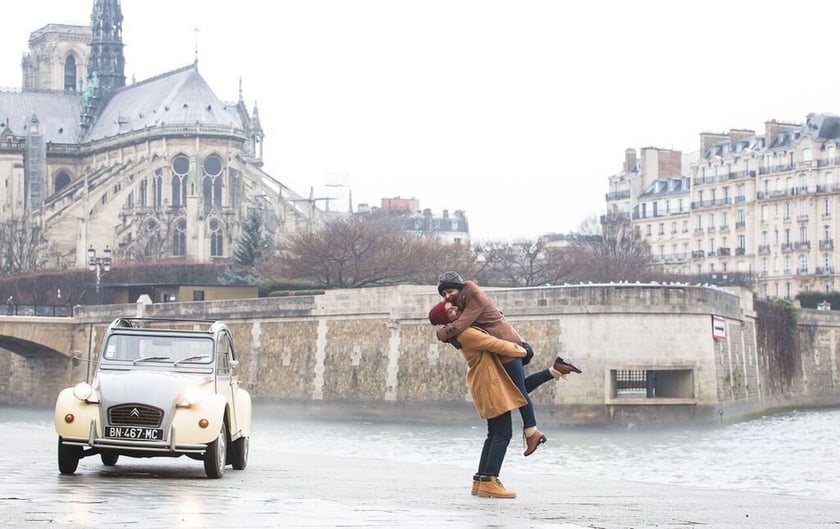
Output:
[[450, 280]]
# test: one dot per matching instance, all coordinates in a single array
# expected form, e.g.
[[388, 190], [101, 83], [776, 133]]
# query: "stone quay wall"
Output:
[[373, 352]]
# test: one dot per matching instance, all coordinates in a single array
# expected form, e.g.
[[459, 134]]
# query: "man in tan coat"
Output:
[[493, 393], [477, 309]]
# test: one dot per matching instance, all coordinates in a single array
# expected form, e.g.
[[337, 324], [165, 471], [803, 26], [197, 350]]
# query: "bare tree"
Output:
[[610, 249], [353, 252], [525, 263], [22, 247]]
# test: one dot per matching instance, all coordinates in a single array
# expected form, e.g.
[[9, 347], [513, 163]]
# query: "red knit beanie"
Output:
[[438, 314]]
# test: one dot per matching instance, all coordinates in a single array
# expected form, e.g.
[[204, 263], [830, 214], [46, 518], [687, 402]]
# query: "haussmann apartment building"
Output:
[[756, 206]]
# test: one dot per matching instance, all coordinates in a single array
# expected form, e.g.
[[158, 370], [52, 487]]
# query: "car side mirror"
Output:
[[234, 366], [76, 358]]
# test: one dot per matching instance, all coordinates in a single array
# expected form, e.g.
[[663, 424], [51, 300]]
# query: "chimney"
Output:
[[737, 135], [629, 160], [670, 163], [772, 129], [709, 138]]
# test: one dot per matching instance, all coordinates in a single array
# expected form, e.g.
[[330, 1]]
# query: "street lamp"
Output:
[[99, 265]]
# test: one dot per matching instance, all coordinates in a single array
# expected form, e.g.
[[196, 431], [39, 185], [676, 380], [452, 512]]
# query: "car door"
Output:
[[226, 380]]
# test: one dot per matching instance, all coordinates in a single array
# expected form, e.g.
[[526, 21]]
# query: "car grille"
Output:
[[134, 415]]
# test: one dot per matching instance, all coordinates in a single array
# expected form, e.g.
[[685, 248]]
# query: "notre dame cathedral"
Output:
[[157, 168]]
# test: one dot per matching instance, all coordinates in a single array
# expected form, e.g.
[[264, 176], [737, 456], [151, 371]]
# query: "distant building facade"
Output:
[[757, 205], [449, 228], [157, 168]]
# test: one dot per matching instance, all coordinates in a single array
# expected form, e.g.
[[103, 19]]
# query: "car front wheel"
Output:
[[109, 459], [68, 457], [216, 454]]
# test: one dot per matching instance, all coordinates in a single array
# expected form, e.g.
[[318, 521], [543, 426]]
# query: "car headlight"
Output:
[[191, 397], [82, 390]]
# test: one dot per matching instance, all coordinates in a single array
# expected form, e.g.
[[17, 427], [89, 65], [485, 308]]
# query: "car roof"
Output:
[[167, 324]]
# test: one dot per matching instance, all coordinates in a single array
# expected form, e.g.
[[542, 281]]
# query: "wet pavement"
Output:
[[291, 488]]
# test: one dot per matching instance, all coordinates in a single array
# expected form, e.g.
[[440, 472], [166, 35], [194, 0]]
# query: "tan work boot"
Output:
[[490, 487], [474, 491]]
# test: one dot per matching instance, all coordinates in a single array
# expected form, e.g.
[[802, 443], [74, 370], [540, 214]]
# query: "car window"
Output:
[[224, 354], [179, 349]]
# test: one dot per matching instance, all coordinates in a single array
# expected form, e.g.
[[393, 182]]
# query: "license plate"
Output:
[[134, 432]]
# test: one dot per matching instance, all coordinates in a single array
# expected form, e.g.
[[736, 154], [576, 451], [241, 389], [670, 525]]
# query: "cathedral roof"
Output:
[[179, 97], [58, 114]]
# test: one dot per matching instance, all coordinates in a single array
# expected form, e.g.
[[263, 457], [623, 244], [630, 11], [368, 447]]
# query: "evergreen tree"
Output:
[[248, 251]]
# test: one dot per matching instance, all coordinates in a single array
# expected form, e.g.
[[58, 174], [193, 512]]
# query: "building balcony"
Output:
[[740, 251], [724, 252], [618, 195], [827, 244], [763, 249], [800, 246], [740, 225], [824, 271], [787, 247], [698, 254]]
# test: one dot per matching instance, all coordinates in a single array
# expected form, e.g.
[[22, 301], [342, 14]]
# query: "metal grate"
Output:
[[135, 415], [631, 381]]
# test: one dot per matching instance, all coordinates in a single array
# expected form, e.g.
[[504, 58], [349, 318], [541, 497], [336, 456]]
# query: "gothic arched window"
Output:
[[62, 179], [179, 239], [212, 182], [70, 74], [216, 238], [141, 192], [180, 171]]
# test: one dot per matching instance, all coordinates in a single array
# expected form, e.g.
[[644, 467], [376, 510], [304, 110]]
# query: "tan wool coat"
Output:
[[492, 390]]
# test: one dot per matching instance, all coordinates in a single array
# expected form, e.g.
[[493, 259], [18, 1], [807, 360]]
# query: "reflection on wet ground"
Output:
[[330, 473]]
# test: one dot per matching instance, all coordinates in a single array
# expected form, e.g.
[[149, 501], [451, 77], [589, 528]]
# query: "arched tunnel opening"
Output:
[[32, 373]]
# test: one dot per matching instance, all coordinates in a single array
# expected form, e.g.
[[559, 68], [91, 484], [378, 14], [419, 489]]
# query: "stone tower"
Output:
[[57, 59]]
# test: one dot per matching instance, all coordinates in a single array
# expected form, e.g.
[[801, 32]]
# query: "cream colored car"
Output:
[[162, 388]]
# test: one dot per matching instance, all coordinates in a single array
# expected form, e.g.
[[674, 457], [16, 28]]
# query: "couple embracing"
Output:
[[496, 355]]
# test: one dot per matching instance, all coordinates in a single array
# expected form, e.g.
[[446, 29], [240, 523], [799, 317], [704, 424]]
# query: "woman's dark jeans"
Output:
[[499, 433], [500, 429], [516, 372]]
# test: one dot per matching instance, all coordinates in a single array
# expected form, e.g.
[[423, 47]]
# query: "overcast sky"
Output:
[[516, 112]]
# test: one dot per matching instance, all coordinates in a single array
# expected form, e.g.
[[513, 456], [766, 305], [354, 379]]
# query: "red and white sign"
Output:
[[718, 328]]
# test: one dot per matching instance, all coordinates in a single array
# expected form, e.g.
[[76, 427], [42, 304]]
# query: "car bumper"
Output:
[[168, 447]]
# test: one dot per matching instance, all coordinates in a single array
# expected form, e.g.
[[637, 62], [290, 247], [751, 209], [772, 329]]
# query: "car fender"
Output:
[[186, 423], [82, 412], [243, 412]]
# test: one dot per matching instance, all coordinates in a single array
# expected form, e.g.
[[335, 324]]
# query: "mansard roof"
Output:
[[57, 112], [674, 185], [818, 127], [822, 126], [178, 97]]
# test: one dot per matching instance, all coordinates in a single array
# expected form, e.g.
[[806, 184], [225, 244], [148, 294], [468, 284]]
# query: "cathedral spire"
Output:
[[106, 63]]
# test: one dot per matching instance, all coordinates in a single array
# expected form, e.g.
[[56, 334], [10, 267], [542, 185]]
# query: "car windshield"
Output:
[[149, 349]]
